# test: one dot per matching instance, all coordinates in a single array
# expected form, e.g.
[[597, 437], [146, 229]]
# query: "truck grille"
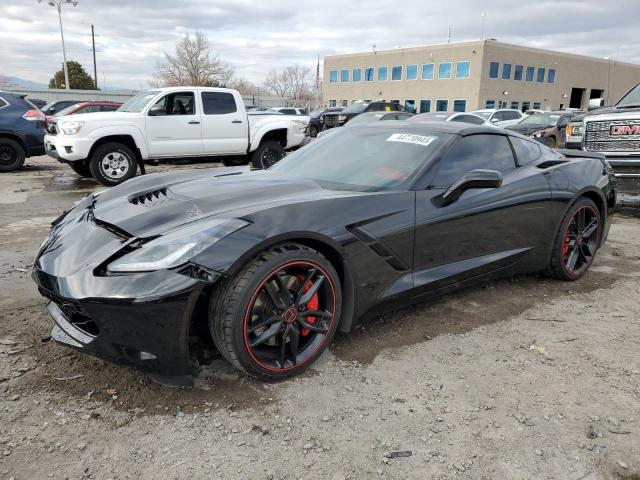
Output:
[[331, 121], [599, 139]]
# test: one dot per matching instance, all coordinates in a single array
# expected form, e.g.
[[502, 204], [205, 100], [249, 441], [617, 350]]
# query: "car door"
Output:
[[173, 126], [485, 229], [224, 126]]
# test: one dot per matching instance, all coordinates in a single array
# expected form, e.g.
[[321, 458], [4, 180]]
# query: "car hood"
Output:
[[99, 117], [527, 129], [153, 204]]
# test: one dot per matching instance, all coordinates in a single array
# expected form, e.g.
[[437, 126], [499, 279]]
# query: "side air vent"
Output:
[[550, 163], [378, 247], [145, 198]]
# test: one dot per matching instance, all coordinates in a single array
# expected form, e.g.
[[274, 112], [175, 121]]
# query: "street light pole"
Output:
[[58, 5]]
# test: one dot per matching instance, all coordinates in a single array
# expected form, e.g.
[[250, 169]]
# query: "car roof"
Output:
[[458, 128]]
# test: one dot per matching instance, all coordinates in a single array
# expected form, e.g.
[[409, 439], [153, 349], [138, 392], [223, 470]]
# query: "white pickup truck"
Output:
[[174, 122]]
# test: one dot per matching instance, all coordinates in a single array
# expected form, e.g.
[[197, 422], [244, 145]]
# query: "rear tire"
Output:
[[11, 155], [241, 303], [81, 168], [113, 163], [577, 241], [267, 154]]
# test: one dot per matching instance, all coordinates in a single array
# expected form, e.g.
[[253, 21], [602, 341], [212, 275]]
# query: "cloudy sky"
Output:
[[256, 35]]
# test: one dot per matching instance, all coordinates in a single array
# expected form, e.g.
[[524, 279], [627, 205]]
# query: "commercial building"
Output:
[[472, 75]]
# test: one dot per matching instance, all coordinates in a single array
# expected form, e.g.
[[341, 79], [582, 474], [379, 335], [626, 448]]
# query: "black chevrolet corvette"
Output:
[[271, 263]]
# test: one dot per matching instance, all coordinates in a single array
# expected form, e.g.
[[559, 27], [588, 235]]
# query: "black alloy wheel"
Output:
[[313, 131], [289, 316], [580, 241], [267, 154], [577, 242], [278, 314]]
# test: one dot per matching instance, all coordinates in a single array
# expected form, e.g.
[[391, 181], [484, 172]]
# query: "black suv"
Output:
[[337, 119], [316, 119], [21, 131]]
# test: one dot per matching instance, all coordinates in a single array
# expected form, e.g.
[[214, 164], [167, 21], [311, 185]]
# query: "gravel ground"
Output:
[[525, 378]]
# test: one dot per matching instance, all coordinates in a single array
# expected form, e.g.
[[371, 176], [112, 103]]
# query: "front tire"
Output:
[[313, 131], [278, 314], [113, 163], [11, 155], [267, 154], [81, 168], [550, 142], [577, 241]]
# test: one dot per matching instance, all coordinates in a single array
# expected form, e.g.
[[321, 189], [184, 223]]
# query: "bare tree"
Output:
[[244, 86], [193, 63], [293, 81]]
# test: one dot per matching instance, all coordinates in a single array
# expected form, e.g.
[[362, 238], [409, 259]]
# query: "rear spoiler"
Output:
[[572, 153]]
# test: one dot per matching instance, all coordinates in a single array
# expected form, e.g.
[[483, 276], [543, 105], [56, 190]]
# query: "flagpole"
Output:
[[317, 80]]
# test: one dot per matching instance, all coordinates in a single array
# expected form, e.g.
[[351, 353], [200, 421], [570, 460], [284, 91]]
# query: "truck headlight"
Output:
[[574, 130], [537, 134], [342, 118], [177, 247], [71, 128]]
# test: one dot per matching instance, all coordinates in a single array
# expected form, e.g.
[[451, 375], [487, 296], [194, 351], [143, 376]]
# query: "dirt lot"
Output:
[[526, 378]]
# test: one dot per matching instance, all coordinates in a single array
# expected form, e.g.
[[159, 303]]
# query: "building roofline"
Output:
[[483, 43]]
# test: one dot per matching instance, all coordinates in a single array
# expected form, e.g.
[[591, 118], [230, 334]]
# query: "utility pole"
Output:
[[449, 35], [93, 46], [58, 5], [482, 25]]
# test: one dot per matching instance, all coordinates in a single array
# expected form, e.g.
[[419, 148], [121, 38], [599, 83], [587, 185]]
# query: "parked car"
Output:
[[613, 131], [54, 107], [290, 110], [78, 108], [168, 123], [338, 119], [21, 131], [316, 119], [501, 117], [451, 117], [274, 262], [546, 127], [369, 117]]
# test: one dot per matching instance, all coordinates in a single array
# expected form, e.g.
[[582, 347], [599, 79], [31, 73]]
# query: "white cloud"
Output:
[[255, 36]]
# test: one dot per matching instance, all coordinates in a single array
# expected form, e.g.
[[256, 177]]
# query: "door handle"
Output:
[[194, 122], [237, 121]]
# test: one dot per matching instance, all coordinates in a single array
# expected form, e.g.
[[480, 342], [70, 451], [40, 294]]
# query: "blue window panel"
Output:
[[515, 105], [506, 71], [459, 105], [490, 104], [427, 73], [517, 73], [442, 105], [344, 76], [368, 74], [333, 76], [383, 74], [536, 105], [530, 73], [396, 72], [412, 72], [463, 69], [540, 77], [444, 70], [410, 104], [356, 75], [425, 106], [493, 69], [551, 76]]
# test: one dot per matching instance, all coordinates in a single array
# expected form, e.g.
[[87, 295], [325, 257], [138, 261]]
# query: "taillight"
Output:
[[34, 115]]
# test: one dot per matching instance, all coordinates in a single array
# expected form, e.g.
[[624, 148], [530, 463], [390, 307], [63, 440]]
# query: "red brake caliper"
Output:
[[565, 245], [312, 305]]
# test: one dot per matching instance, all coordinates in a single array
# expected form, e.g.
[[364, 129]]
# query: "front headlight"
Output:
[[574, 130], [177, 247], [71, 128], [537, 134], [342, 118]]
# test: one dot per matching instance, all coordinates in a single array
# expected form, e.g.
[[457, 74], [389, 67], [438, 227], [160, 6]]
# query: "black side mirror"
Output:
[[157, 110], [474, 179]]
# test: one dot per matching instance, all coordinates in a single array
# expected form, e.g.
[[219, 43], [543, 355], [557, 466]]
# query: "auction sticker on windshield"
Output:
[[424, 140]]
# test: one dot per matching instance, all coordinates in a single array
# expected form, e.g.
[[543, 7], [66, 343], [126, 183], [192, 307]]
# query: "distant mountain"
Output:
[[7, 81]]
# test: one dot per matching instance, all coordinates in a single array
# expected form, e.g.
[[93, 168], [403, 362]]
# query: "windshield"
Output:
[[66, 111], [137, 103], [316, 113], [356, 107], [391, 157], [485, 115], [631, 99], [547, 119]]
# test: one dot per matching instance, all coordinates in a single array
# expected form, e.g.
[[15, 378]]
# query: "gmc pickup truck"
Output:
[[174, 122], [613, 131]]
